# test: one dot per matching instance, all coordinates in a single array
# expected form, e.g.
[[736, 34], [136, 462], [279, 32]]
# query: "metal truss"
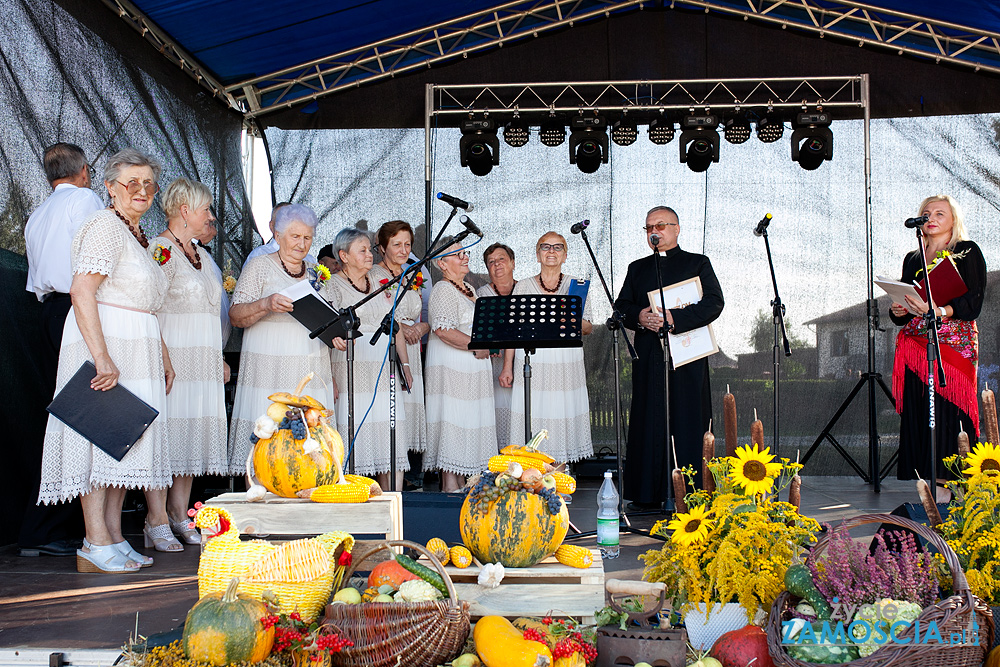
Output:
[[867, 25], [450, 103], [169, 49]]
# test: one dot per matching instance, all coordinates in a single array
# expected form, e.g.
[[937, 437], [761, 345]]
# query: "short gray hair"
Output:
[[130, 157], [183, 191], [444, 244], [290, 213], [663, 208], [63, 160], [346, 237]]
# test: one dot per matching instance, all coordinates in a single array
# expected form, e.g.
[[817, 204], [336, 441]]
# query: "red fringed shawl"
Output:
[[959, 354]]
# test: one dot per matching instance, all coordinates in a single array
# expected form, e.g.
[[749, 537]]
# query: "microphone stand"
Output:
[[667, 362], [931, 322], [778, 316]]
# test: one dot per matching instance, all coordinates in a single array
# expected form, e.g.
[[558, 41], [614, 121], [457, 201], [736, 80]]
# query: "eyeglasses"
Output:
[[659, 227], [554, 247], [134, 186], [461, 254]]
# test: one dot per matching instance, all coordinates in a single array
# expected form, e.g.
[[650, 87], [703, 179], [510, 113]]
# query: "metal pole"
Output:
[[873, 439]]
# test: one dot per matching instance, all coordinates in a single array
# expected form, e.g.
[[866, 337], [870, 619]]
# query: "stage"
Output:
[[46, 604]]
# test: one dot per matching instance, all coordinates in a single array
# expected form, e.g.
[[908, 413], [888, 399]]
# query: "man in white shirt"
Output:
[[272, 245], [54, 529]]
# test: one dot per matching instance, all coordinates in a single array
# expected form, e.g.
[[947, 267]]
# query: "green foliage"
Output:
[[761, 336], [13, 218]]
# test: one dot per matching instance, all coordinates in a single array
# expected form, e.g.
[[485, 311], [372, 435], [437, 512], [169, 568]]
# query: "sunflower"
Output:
[[984, 458], [753, 470], [690, 528]]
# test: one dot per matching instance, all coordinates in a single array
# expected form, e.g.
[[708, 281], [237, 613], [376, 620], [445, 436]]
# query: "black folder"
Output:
[[112, 420], [312, 311]]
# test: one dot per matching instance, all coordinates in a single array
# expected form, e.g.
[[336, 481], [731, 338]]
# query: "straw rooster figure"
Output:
[[301, 573]]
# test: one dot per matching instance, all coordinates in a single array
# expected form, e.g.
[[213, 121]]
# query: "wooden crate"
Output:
[[549, 587], [298, 517]]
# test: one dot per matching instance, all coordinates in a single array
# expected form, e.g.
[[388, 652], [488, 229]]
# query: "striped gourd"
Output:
[[515, 530], [460, 557], [284, 469], [575, 556], [340, 493], [225, 628], [564, 483], [500, 462]]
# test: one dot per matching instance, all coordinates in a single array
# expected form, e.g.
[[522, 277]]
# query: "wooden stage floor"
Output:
[[46, 604]]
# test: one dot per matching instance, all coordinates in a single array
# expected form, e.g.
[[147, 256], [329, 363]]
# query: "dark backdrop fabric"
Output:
[[102, 88]]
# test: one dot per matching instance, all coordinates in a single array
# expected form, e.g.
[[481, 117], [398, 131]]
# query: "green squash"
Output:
[[224, 628]]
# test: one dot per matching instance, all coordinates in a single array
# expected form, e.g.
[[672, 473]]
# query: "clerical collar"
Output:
[[670, 252]]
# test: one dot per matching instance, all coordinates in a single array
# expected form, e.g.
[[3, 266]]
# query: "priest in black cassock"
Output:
[[647, 465]]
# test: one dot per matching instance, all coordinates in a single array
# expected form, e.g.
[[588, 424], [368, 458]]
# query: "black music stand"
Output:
[[527, 322]]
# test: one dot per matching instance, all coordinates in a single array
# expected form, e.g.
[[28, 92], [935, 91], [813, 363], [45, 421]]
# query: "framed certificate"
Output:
[[690, 345]]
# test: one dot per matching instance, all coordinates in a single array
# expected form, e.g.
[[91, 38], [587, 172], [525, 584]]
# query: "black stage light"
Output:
[[479, 147], [552, 132], [624, 132], [770, 128], [699, 146], [588, 143], [812, 140], [738, 129], [515, 133], [661, 131]]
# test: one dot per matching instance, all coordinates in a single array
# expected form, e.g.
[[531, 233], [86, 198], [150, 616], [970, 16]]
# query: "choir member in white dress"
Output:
[[499, 260]]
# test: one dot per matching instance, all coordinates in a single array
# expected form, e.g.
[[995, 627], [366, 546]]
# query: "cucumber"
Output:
[[799, 583], [425, 573]]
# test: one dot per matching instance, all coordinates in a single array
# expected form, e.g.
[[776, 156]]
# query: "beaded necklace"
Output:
[[139, 235], [368, 284], [553, 290], [461, 288], [289, 273], [196, 262]]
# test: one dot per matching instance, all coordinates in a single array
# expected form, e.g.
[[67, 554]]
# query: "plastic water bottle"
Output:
[[607, 518]]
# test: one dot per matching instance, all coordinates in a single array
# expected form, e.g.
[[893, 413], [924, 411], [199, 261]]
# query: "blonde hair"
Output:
[[958, 232], [548, 234], [183, 191]]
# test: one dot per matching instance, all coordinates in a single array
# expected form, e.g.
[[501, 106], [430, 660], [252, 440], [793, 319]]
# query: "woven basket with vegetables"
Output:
[[956, 618], [425, 633]]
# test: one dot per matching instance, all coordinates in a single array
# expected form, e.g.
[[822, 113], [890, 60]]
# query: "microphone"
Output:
[[655, 240], [455, 201], [915, 222], [762, 225], [579, 227], [468, 223]]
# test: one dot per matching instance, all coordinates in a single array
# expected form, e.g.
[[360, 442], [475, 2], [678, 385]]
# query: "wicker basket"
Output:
[[424, 634], [952, 615]]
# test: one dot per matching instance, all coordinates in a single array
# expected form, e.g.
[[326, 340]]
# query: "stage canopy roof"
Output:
[[283, 61]]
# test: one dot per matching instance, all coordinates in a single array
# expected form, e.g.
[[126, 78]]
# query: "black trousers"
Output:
[[43, 524]]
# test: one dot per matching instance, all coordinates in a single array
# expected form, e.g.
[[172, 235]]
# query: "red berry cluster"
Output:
[[333, 643], [574, 644], [291, 632], [270, 621], [531, 634]]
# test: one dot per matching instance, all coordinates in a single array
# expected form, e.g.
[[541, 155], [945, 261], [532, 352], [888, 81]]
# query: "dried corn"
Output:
[[500, 462], [575, 556], [438, 547], [460, 557], [564, 483], [340, 493]]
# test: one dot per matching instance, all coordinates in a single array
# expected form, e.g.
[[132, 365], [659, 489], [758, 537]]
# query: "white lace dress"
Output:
[[277, 353], [189, 324], [461, 419], [72, 466], [559, 400], [408, 312], [501, 395], [371, 449]]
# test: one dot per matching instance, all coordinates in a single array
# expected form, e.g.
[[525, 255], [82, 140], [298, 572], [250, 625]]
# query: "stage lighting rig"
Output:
[[552, 132], [812, 140], [770, 128], [624, 132], [737, 129], [588, 142], [515, 133], [661, 131], [699, 145], [479, 147]]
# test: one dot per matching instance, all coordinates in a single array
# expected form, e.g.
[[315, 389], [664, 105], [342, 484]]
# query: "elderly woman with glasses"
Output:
[[371, 369], [116, 290], [461, 421], [559, 400], [277, 351], [647, 468]]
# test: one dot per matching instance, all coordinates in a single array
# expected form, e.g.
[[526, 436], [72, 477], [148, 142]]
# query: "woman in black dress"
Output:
[[956, 405]]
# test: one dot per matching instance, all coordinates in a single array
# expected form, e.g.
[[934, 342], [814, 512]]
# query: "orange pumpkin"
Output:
[[283, 468], [516, 530], [389, 572]]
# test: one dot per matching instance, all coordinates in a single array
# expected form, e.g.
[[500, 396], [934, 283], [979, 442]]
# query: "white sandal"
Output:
[[161, 538], [185, 531], [125, 549], [103, 558]]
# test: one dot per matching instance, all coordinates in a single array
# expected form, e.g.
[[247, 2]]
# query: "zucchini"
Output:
[[798, 581], [425, 573]]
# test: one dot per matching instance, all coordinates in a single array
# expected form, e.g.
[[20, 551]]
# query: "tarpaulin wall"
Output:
[[61, 81], [817, 239]]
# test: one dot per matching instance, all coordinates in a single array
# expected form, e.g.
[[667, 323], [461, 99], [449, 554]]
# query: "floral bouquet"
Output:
[[229, 278], [972, 528], [734, 543], [318, 275]]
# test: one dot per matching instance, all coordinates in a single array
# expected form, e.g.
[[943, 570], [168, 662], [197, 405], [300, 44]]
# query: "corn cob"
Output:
[[340, 493], [575, 556], [438, 547], [460, 557], [500, 462], [564, 483]]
